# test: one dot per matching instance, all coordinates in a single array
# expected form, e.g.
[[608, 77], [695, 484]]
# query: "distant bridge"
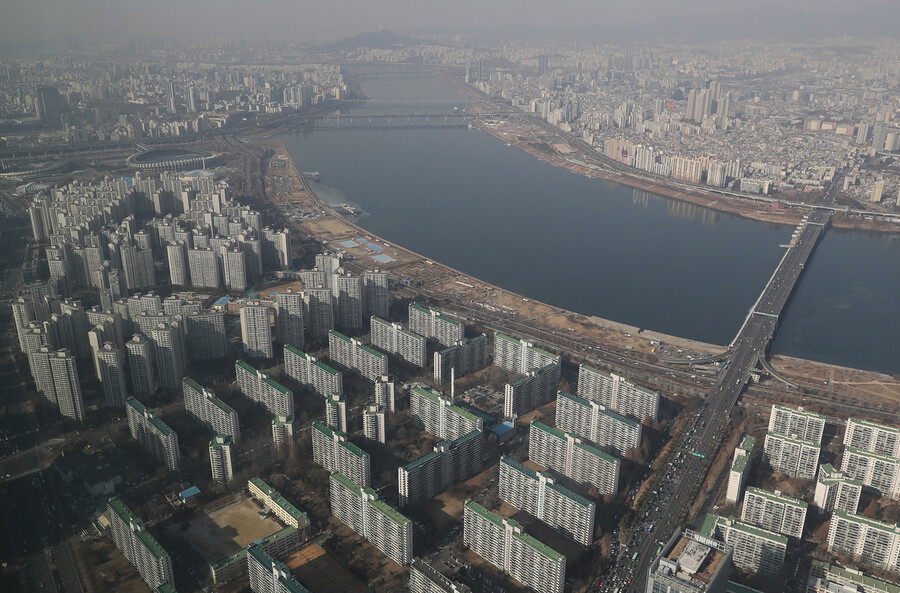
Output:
[[383, 120]]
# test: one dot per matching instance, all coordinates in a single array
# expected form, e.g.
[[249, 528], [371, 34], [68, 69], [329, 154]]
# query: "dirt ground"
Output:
[[109, 568], [229, 529], [321, 573]]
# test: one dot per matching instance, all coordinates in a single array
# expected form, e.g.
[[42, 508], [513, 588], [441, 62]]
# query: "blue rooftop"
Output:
[[502, 428], [192, 491]]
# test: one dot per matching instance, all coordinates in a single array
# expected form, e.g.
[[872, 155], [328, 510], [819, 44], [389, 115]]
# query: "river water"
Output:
[[466, 199]]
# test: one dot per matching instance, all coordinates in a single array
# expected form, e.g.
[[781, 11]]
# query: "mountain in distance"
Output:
[[372, 40]]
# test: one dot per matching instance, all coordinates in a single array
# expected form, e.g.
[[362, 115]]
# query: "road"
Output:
[[669, 506]]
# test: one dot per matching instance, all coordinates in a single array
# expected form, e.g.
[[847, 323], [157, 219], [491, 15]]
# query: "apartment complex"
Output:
[[449, 463], [874, 542], [461, 358], [794, 457], [153, 434], [272, 500], [130, 534], [504, 543], [257, 386], [880, 472], [434, 326], [774, 511], [356, 356], [385, 393], [870, 436], [520, 356], [361, 510], [690, 563], [597, 424], [333, 451], [203, 405], [307, 370], [617, 394], [440, 416], [569, 455], [424, 578], [833, 578], [836, 490], [220, 458], [740, 467], [393, 339], [289, 318], [797, 423], [538, 494], [536, 388], [754, 549], [375, 424]]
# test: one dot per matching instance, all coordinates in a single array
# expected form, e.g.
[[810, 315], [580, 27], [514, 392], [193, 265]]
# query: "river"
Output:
[[466, 199]]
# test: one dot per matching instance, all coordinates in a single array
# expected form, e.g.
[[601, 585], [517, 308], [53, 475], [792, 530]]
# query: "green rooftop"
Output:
[[875, 425], [868, 583], [192, 384], [480, 510], [277, 386], [543, 352], [243, 365], [709, 525], [166, 587], [296, 351], [506, 338], [596, 371], [748, 443], [372, 351], [161, 426], [124, 512], [800, 442], [597, 453], [421, 461], [873, 523], [878, 456], [259, 483], [758, 532], [389, 512], [798, 412], [291, 510], [776, 497], [151, 544], [740, 462], [539, 547], [221, 405], [339, 335], [353, 449], [519, 467], [325, 367], [351, 485], [548, 429]]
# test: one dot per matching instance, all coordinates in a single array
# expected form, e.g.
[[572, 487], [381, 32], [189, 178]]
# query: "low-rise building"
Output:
[[690, 563]]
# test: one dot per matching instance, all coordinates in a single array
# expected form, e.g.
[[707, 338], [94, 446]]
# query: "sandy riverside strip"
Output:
[[743, 207], [808, 372]]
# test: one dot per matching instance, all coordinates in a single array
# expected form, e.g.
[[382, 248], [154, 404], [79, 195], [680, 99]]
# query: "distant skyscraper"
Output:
[[67, 385], [378, 297], [177, 255], [50, 106], [255, 330], [140, 363], [543, 63], [191, 98], [169, 353], [170, 98]]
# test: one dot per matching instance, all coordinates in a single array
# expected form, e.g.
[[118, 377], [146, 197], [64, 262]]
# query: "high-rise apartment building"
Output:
[[356, 356], [169, 353], [385, 393], [617, 394], [111, 361], [206, 338], [443, 330], [203, 267], [836, 490], [67, 385], [879, 472], [875, 542], [289, 308], [393, 339], [774, 511], [538, 494], [336, 411], [449, 463], [130, 534], [348, 294], [333, 451], [504, 543], [375, 424], [794, 457], [305, 369], [360, 509], [754, 549], [220, 455], [520, 356], [257, 386], [234, 268], [870, 436], [833, 578], [321, 311], [690, 563], [797, 423], [154, 434], [256, 331], [282, 430], [378, 296], [440, 416], [536, 388], [569, 455], [740, 467], [597, 424], [267, 575], [178, 267], [203, 405], [140, 363], [463, 357]]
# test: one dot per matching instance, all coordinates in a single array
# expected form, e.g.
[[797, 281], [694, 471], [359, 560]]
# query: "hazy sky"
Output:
[[39, 18]]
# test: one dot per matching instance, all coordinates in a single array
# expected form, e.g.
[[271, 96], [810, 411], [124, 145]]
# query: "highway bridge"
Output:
[[389, 120], [668, 508]]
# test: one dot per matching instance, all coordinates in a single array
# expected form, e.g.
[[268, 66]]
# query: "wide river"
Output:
[[467, 200]]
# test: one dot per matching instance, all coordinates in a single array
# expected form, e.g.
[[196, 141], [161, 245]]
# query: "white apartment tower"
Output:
[[220, 455], [375, 424], [393, 339], [255, 330], [111, 361], [289, 307]]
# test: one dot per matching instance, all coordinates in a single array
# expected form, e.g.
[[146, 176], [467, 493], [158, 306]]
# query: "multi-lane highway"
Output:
[[668, 507]]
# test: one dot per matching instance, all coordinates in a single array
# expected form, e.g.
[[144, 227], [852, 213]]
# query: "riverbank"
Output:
[[417, 276], [545, 145]]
